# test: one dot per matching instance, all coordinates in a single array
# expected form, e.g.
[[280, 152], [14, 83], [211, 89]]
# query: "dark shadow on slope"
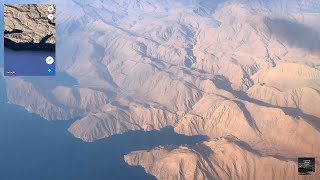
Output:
[[206, 152], [248, 116], [119, 105], [187, 62], [242, 144], [295, 34], [223, 83], [13, 31], [247, 147], [97, 58], [295, 112], [207, 7]]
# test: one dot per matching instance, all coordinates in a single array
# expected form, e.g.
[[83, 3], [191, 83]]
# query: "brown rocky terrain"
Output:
[[29, 23], [233, 71]]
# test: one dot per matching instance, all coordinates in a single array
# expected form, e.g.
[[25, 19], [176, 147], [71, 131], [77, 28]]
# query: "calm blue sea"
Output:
[[32, 148], [27, 63]]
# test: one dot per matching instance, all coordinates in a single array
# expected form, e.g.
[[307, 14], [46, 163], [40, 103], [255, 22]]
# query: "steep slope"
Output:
[[215, 159], [215, 68], [118, 118], [268, 130], [304, 98], [20, 91], [286, 76], [58, 103]]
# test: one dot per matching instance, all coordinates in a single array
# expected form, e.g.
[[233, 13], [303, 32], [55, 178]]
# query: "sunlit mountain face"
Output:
[[243, 74]]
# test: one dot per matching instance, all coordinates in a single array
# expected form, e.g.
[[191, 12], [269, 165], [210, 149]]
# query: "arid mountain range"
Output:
[[245, 74]]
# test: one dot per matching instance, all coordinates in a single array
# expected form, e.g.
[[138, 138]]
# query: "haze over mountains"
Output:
[[246, 74]]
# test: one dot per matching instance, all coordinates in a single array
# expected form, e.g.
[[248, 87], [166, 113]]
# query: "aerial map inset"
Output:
[[29, 39]]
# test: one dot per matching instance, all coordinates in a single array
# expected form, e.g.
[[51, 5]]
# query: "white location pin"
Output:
[[49, 60], [50, 16], [50, 9]]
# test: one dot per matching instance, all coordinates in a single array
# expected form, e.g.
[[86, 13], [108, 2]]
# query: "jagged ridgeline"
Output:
[[226, 70], [27, 27]]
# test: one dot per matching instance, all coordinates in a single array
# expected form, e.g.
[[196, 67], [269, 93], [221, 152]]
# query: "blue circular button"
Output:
[[50, 70]]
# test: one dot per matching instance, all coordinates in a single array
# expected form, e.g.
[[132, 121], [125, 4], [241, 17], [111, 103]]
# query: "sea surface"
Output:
[[27, 62], [32, 148]]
